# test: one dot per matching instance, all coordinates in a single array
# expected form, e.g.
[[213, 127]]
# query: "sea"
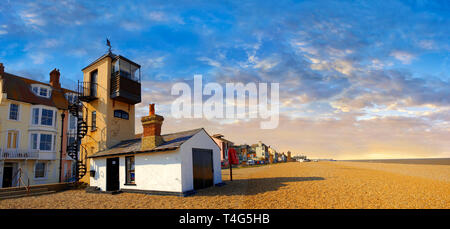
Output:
[[424, 161]]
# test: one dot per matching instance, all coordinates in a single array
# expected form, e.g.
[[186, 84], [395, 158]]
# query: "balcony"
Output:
[[87, 91], [124, 88], [20, 154]]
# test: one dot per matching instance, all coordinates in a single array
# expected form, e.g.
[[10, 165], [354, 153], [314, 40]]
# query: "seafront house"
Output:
[[242, 152], [224, 145], [261, 151], [170, 164], [273, 153], [33, 132]]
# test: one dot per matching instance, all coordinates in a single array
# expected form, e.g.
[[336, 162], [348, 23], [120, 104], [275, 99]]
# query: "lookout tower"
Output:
[[110, 89]]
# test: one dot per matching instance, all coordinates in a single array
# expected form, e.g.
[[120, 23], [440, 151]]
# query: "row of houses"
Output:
[[50, 134], [250, 154]]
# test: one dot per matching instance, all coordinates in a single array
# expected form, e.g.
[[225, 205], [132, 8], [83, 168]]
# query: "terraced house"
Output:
[[33, 131]]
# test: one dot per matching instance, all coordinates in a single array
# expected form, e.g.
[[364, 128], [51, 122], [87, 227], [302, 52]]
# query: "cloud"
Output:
[[403, 56], [345, 68]]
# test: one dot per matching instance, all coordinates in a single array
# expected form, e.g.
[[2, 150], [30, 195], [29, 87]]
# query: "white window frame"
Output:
[[39, 87], [18, 111], [52, 146], [45, 171], [40, 108], [38, 144], [31, 141], [72, 98]]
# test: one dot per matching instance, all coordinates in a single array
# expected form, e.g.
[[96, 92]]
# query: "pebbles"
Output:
[[285, 185]]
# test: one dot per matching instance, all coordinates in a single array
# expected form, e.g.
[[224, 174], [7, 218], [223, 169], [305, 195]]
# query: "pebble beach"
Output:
[[293, 185]]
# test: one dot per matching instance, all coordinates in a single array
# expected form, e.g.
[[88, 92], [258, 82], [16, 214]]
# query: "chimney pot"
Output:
[[152, 109]]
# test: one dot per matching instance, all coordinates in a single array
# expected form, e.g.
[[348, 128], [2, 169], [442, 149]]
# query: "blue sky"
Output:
[[378, 70]]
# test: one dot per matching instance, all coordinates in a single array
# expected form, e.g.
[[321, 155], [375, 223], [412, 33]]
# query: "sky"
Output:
[[358, 79]]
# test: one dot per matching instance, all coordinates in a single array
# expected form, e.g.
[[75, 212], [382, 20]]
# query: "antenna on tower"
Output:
[[108, 43]]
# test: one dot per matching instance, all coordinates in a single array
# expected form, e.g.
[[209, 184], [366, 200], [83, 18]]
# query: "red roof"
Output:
[[19, 89]]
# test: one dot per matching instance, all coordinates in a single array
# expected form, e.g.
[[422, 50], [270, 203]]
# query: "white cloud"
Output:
[[403, 56], [160, 16], [38, 58]]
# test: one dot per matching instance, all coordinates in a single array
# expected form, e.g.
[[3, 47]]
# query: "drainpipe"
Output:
[[61, 150]]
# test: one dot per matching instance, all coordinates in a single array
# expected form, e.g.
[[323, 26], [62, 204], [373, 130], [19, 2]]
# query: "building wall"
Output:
[[261, 151], [99, 166], [153, 172], [66, 164], [110, 130], [24, 127], [203, 141], [166, 171]]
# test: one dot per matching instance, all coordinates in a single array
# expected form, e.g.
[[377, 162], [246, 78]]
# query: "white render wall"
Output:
[[203, 141], [99, 180], [154, 172]]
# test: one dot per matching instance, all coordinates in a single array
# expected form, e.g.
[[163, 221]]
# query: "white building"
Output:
[[173, 164]]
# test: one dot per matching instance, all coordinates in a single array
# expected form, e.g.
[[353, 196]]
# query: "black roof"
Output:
[[133, 146]]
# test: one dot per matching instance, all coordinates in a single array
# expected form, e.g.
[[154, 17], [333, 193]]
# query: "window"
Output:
[[93, 87], [71, 139], [34, 141], [14, 111], [121, 114], [42, 116], [39, 170], [129, 164], [43, 92], [13, 139], [71, 98], [47, 117], [35, 118], [72, 122], [94, 121], [45, 142]]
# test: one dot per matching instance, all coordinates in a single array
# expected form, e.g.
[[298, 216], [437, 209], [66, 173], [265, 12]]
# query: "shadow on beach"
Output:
[[253, 186]]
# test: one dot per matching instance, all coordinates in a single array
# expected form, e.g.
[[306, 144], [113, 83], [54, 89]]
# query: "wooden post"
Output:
[[229, 164]]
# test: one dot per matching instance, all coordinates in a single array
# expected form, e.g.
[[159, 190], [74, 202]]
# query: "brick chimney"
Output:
[[151, 137], [54, 78], [2, 68]]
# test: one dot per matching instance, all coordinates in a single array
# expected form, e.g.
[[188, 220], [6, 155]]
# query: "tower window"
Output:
[[121, 114], [94, 121]]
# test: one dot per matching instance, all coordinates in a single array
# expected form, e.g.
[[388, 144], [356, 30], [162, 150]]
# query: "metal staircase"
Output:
[[74, 149]]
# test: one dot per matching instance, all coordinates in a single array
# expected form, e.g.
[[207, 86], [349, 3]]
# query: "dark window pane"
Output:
[[40, 170], [46, 142], [117, 114], [47, 117], [129, 164], [94, 120], [14, 112]]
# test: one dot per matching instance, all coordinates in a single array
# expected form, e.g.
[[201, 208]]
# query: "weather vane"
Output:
[[108, 43]]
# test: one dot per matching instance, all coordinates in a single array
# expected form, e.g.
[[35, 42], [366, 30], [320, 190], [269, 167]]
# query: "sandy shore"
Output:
[[287, 185]]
